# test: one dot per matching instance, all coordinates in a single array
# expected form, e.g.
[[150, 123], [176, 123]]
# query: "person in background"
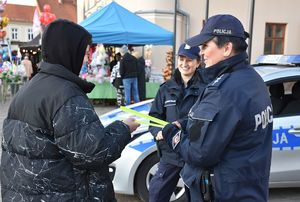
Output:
[[35, 64], [172, 103], [227, 145], [27, 67], [54, 147], [128, 71], [115, 60], [116, 81], [141, 75]]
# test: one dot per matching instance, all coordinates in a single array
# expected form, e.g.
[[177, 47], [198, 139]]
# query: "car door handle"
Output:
[[295, 131]]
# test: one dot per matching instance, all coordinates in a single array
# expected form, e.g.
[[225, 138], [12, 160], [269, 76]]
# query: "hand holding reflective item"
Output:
[[146, 116], [131, 123], [177, 124], [159, 136], [171, 134], [183, 123]]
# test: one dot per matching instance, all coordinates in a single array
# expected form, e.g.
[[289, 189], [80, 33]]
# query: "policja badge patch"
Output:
[[176, 139]]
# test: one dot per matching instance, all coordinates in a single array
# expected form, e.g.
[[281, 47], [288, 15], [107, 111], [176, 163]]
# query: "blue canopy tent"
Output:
[[114, 24]]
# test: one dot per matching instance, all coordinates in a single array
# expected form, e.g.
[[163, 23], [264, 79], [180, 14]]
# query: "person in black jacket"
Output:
[[54, 147], [172, 104], [129, 74], [141, 72]]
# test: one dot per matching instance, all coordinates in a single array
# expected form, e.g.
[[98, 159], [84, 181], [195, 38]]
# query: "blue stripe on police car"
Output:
[[284, 140]]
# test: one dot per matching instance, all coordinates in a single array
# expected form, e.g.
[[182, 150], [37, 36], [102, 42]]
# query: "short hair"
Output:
[[123, 50], [239, 44]]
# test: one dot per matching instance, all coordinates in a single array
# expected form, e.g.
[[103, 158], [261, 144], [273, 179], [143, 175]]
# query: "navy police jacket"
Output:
[[173, 104], [230, 132]]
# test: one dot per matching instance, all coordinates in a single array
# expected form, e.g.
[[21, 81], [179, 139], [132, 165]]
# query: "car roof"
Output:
[[277, 72]]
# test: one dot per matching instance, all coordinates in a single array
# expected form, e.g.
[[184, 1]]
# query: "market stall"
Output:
[[106, 91], [33, 50], [114, 25]]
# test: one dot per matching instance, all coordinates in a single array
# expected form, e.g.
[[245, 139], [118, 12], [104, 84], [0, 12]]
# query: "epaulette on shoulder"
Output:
[[218, 81]]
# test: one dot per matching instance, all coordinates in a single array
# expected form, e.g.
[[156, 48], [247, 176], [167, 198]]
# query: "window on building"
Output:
[[91, 3], [274, 38], [30, 34], [14, 33]]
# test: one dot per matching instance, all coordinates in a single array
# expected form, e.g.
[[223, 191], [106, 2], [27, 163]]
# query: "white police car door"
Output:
[[285, 167]]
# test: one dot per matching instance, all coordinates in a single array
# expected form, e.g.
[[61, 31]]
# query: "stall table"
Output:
[[105, 90]]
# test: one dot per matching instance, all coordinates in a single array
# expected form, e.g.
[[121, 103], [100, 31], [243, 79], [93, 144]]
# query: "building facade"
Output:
[[273, 26], [19, 29]]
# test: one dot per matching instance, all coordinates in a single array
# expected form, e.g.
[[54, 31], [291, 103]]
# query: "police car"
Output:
[[138, 163]]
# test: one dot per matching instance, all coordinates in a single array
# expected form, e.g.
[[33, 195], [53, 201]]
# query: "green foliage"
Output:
[[9, 77]]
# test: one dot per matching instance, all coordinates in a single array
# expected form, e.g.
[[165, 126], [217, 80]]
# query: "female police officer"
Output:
[[230, 126], [172, 103]]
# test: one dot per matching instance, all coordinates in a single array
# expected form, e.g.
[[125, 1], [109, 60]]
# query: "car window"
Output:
[[285, 98]]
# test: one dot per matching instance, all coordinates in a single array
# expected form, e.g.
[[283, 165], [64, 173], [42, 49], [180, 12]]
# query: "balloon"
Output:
[[47, 8], [5, 49], [4, 56], [5, 21], [46, 20], [52, 17], [41, 18]]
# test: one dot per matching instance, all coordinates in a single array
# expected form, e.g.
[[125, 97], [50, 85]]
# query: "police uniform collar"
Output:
[[210, 73]]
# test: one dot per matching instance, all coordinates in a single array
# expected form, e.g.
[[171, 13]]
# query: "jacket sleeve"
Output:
[[210, 129], [157, 111], [83, 140]]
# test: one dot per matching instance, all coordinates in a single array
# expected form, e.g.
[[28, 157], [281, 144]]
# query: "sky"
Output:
[[22, 2]]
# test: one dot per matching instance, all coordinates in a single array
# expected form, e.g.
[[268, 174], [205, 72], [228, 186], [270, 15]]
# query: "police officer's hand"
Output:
[[159, 136], [131, 123], [177, 124], [169, 131], [181, 123]]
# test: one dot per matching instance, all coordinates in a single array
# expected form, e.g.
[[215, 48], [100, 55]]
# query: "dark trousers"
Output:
[[163, 182], [120, 96], [194, 193]]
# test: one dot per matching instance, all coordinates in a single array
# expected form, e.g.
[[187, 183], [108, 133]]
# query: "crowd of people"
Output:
[[55, 148], [125, 68], [14, 73]]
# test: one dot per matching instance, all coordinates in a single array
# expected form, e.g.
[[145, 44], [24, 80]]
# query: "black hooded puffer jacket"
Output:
[[54, 147]]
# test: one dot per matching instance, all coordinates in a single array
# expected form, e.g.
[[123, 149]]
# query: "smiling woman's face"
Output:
[[187, 66]]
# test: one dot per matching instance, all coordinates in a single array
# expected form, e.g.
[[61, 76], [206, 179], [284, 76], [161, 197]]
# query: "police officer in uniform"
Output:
[[172, 103], [227, 149]]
